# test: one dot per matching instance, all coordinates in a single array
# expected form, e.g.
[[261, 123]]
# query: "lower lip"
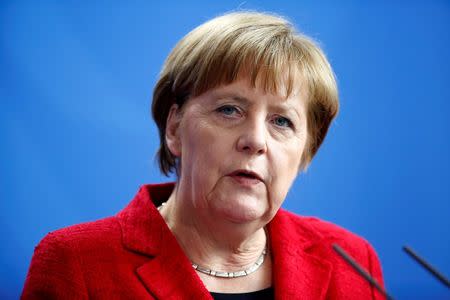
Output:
[[246, 181]]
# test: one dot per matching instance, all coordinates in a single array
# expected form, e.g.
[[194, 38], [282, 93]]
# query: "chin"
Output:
[[241, 214]]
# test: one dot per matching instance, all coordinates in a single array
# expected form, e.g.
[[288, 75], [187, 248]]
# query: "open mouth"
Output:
[[246, 175]]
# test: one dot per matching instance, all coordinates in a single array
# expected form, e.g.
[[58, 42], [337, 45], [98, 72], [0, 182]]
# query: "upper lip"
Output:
[[247, 172]]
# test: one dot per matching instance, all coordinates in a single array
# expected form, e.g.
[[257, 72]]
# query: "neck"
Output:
[[213, 243]]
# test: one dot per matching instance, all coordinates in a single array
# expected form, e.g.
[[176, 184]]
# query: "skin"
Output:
[[216, 212]]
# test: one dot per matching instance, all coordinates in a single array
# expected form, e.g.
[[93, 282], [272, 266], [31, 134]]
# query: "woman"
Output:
[[242, 105]]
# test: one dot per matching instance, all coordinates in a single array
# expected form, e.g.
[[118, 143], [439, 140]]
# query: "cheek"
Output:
[[285, 164], [290, 157], [203, 152]]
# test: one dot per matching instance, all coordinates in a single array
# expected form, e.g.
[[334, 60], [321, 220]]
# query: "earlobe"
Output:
[[172, 132]]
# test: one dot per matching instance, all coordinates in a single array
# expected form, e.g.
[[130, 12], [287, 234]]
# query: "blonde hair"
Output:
[[260, 46]]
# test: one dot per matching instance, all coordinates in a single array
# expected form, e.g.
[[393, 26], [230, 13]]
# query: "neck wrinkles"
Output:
[[222, 247]]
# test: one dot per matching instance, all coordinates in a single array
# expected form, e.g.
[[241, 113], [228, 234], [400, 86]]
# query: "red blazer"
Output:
[[134, 255]]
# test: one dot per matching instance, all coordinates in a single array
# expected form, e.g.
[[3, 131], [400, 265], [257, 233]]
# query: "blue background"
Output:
[[77, 140]]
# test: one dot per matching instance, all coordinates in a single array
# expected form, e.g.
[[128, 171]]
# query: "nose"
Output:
[[253, 138]]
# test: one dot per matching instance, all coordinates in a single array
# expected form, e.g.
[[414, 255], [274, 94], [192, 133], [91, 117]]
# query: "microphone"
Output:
[[427, 266], [361, 271]]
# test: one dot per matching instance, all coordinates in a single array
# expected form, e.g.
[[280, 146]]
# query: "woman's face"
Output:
[[240, 150]]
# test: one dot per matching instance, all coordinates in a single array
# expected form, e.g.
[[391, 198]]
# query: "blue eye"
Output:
[[282, 122], [227, 110]]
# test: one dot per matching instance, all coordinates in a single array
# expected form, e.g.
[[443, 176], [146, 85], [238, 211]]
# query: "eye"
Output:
[[228, 110], [282, 122]]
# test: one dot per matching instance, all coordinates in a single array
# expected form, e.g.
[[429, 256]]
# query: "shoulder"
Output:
[[96, 255], [66, 250], [84, 235], [56, 267]]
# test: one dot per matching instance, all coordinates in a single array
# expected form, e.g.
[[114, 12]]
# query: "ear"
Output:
[[173, 140]]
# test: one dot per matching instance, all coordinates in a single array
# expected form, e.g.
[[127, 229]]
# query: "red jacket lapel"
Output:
[[297, 272], [167, 274]]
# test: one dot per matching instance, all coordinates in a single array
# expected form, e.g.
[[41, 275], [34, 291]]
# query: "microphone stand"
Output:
[[361, 271], [427, 266]]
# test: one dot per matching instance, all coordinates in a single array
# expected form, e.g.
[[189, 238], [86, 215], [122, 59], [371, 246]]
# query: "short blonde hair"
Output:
[[260, 46]]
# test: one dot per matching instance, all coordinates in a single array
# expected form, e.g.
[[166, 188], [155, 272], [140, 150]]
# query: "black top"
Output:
[[262, 294]]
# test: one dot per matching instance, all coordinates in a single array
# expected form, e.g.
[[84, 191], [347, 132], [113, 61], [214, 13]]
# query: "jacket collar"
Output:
[[297, 272], [168, 274], [142, 225]]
